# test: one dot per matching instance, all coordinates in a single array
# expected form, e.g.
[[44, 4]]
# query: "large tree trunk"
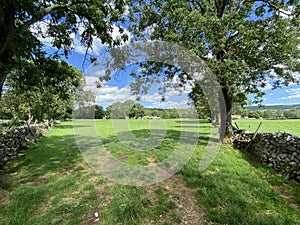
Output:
[[2, 80], [226, 119], [7, 39], [3, 74]]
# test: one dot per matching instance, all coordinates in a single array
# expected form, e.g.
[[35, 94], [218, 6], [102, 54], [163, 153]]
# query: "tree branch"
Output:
[[271, 5], [43, 13]]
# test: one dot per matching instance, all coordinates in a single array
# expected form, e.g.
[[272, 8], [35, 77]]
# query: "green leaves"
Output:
[[246, 44], [58, 21], [41, 89]]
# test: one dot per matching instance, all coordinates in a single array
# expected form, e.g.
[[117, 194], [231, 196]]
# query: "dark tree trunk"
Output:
[[226, 121], [3, 74], [2, 79], [8, 43]]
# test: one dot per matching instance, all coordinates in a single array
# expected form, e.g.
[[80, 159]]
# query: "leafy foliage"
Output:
[[246, 44], [43, 88], [22, 22]]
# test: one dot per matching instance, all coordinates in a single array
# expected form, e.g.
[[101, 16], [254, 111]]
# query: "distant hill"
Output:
[[275, 107]]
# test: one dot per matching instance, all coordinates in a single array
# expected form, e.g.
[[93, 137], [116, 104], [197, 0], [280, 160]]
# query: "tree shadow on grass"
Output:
[[229, 202], [156, 136], [144, 146], [233, 192], [50, 155], [288, 188], [50, 183]]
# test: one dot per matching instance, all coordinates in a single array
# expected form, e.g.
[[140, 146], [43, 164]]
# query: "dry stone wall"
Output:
[[279, 151], [15, 140]]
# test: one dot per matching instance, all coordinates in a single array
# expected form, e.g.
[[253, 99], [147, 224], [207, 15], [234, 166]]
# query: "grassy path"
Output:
[[52, 184]]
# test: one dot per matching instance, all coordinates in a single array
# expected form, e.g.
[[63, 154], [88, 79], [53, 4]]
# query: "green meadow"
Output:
[[53, 184], [291, 125]]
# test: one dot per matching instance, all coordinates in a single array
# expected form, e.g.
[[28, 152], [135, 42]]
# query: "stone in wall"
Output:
[[279, 151], [14, 140]]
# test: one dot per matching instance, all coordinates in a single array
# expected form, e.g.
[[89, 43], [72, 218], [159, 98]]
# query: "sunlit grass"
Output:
[[52, 184], [291, 125]]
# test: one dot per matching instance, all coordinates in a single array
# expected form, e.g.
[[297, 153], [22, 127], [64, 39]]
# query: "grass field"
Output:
[[52, 184], [291, 126]]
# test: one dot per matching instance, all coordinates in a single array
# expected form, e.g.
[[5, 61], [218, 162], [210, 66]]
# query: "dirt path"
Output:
[[185, 198]]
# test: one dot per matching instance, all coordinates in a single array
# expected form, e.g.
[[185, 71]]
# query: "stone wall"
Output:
[[15, 140], [279, 151]]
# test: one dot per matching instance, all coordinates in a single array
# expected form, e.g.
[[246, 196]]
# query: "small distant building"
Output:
[[150, 118], [236, 117]]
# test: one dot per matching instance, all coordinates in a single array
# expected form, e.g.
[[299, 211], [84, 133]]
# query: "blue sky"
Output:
[[118, 89]]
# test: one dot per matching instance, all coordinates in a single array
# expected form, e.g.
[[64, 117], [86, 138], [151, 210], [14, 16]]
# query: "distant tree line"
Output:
[[128, 110], [133, 110], [268, 114]]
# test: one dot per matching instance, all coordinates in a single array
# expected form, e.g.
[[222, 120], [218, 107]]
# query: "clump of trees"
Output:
[[40, 90], [123, 110], [37, 85], [133, 110], [268, 114], [24, 23]]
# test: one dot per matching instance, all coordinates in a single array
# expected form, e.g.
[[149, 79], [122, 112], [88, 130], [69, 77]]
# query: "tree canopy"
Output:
[[22, 23], [247, 44], [41, 90]]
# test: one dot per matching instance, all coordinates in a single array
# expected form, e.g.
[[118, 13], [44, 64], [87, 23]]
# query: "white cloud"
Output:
[[91, 84], [267, 87], [172, 99], [39, 29], [106, 95], [152, 98], [297, 75], [126, 12], [109, 94], [171, 104], [116, 33], [97, 43], [294, 74], [292, 94], [150, 29], [287, 13]]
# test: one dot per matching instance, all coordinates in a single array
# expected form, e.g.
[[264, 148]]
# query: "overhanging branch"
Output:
[[271, 5], [40, 15]]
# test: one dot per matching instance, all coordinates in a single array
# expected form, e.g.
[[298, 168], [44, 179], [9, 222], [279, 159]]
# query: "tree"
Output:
[[22, 22], [99, 112], [84, 107], [279, 114], [165, 114], [292, 114], [117, 110], [136, 111], [269, 114], [108, 112], [245, 43], [41, 89], [254, 114], [200, 102]]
